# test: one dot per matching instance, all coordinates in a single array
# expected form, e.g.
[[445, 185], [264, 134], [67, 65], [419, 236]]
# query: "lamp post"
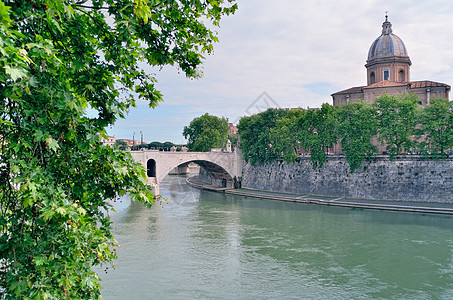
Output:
[[141, 139]]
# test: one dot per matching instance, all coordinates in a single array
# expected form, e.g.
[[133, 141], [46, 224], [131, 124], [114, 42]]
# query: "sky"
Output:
[[292, 53]]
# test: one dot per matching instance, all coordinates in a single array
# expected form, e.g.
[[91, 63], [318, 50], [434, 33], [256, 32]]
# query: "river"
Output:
[[205, 245]]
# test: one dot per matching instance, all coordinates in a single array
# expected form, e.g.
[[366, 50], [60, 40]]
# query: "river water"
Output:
[[204, 245]]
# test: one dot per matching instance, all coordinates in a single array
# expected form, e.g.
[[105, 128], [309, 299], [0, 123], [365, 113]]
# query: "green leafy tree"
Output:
[[155, 145], [206, 132], [436, 126], [249, 131], [287, 135], [233, 139], [318, 132], [396, 120], [167, 145], [59, 57], [257, 142], [356, 128], [160, 146], [313, 130], [122, 145]]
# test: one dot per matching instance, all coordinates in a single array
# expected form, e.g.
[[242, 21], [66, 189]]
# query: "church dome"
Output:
[[387, 45]]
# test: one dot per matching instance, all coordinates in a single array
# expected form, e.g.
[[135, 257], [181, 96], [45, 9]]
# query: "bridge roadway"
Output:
[[221, 167]]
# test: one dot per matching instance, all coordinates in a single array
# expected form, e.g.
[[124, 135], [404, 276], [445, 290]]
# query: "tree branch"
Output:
[[95, 20], [91, 7]]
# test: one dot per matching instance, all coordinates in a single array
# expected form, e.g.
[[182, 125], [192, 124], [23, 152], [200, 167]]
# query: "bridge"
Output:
[[219, 167]]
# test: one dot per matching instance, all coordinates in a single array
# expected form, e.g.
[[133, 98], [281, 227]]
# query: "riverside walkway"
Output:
[[407, 206]]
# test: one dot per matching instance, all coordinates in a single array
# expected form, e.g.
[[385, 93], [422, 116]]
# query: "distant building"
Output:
[[388, 71], [109, 141], [232, 129], [301, 108]]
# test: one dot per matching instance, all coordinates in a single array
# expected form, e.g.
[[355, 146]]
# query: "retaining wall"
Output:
[[406, 178]]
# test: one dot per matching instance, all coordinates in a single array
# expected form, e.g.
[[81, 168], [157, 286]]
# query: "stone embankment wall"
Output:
[[206, 177], [406, 178]]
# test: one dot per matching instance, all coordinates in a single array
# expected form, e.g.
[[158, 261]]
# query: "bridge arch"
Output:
[[222, 167], [151, 168], [216, 172]]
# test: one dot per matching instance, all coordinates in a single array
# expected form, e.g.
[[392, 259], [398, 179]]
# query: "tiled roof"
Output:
[[353, 90], [385, 83], [388, 83], [427, 83]]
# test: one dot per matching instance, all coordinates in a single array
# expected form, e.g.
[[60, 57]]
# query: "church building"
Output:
[[388, 71]]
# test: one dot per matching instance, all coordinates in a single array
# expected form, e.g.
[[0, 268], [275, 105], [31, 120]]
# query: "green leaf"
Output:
[[15, 169], [15, 73], [47, 215], [6, 122], [4, 14], [61, 210], [28, 201], [39, 261], [52, 144], [81, 211]]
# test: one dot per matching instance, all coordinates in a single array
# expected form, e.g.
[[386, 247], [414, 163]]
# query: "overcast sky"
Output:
[[297, 53]]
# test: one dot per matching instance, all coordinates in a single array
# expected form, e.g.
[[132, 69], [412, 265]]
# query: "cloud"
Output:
[[299, 52]]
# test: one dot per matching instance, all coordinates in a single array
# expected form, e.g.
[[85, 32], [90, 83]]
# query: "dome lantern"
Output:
[[386, 26], [388, 58]]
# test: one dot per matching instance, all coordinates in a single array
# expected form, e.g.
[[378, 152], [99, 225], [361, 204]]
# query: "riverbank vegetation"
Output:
[[58, 59], [356, 130]]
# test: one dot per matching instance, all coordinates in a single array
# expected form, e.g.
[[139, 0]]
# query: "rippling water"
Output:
[[204, 245]]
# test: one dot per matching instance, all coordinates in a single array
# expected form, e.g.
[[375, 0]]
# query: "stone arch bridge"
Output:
[[220, 167]]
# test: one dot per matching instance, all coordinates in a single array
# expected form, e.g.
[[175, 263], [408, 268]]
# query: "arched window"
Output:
[[372, 78], [401, 76], [151, 168]]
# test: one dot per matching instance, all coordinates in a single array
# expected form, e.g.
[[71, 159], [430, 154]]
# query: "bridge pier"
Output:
[[180, 170], [152, 181], [155, 189]]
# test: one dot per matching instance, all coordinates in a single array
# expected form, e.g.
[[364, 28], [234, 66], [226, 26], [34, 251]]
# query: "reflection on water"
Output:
[[204, 245]]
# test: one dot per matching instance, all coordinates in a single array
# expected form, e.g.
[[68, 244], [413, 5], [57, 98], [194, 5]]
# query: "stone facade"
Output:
[[425, 90], [397, 71], [409, 179], [109, 141], [232, 129]]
